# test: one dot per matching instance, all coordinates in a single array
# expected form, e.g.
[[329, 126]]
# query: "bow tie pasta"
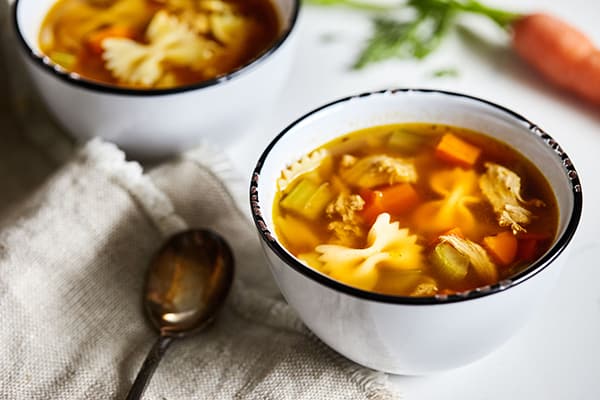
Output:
[[387, 245], [169, 41], [458, 189]]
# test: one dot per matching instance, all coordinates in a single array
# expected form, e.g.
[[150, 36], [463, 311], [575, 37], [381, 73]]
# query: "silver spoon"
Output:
[[187, 281]]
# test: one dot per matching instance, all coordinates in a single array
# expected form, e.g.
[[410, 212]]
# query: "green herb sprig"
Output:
[[415, 37]]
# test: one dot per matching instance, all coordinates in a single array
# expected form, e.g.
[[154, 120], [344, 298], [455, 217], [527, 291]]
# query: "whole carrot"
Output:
[[557, 50], [560, 52]]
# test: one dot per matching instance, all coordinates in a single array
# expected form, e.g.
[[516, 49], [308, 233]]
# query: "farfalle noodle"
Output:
[[169, 41], [387, 245], [459, 189]]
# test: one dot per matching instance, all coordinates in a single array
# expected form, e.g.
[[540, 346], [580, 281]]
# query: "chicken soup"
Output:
[[415, 210], [157, 43]]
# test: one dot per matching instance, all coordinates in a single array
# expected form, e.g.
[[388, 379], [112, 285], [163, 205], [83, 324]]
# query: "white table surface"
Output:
[[557, 354]]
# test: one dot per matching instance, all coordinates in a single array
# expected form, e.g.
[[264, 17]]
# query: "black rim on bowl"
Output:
[[527, 273], [45, 63]]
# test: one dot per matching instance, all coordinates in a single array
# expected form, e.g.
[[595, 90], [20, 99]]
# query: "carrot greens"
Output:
[[418, 35]]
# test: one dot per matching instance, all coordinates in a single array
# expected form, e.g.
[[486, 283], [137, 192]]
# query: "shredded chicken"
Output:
[[502, 187], [196, 5], [307, 163], [458, 188], [197, 22], [347, 161], [226, 27], [169, 41], [208, 17], [377, 170], [478, 257], [346, 224], [387, 245]]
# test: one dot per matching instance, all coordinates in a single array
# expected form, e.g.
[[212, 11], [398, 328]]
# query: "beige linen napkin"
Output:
[[76, 235], [72, 263]]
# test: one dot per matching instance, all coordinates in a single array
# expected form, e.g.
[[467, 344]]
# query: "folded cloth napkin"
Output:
[[76, 235], [72, 262]]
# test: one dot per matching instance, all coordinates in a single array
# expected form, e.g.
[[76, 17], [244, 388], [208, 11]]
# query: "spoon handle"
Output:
[[148, 367]]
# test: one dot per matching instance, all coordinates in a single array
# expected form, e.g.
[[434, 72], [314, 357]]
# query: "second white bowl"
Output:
[[160, 122]]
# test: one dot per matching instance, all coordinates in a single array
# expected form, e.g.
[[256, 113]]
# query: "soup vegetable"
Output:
[[157, 43], [415, 210]]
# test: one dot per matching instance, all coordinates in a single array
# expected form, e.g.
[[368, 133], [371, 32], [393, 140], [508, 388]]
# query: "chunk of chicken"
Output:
[[502, 188], [346, 223], [478, 257], [377, 170]]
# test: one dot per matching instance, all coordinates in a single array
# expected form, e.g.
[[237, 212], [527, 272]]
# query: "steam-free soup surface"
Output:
[[415, 210], [157, 43]]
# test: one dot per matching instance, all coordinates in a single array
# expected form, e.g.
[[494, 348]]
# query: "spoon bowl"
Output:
[[187, 282]]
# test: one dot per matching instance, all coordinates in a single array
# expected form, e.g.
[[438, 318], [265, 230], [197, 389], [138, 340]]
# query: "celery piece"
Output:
[[450, 264], [63, 59], [405, 141], [308, 199]]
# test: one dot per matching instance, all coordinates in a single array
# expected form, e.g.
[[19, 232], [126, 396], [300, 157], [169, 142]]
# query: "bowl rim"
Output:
[[75, 79], [524, 275]]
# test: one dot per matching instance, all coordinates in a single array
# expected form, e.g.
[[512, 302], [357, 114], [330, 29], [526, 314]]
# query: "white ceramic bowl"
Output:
[[405, 335], [157, 122]]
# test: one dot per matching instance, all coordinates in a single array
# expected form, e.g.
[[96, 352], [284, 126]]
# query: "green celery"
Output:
[[308, 199], [63, 59], [450, 264], [405, 141]]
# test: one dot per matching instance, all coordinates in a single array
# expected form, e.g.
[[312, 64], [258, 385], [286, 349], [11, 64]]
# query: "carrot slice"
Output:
[[527, 249], [456, 151], [373, 205], [395, 200], [400, 198], [503, 247], [95, 39]]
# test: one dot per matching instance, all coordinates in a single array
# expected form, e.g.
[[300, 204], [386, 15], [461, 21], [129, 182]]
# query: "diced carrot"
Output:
[[400, 198], [503, 247], [95, 39], [529, 244], [373, 205], [527, 249], [395, 200], [456, 151]]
